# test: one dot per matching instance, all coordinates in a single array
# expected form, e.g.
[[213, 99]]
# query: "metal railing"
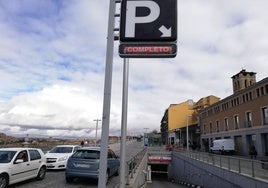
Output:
[[249, 167], [133, 164]]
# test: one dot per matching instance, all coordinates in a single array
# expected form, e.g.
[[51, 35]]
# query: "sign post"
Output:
[[148, 29]]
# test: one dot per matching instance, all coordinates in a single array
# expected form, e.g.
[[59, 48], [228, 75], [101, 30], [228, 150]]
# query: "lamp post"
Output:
[[180, 136], [145, 139], [97, 121], [187, 133]]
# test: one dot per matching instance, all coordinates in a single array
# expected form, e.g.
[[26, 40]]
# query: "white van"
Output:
[[223, 146]]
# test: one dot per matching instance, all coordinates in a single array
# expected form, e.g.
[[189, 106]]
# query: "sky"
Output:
[[53, 58]]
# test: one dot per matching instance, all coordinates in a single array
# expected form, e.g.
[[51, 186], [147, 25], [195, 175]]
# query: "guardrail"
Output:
[[249, 167], [133, 164]]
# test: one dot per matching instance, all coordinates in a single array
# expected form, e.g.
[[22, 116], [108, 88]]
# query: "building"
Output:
[[175, 122], [242, 116], [206, 102]]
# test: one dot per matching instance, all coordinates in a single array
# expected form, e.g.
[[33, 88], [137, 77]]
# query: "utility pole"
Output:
[[146, 129], [97, 121]]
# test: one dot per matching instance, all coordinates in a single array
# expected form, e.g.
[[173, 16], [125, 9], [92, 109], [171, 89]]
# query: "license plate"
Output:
[[50, 166], [82, 165]]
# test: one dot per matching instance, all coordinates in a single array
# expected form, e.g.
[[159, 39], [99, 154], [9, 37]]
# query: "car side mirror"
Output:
[[19, 161]]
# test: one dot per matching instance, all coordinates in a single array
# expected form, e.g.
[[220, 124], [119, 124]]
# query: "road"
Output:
[[56, 179], [159, 181]]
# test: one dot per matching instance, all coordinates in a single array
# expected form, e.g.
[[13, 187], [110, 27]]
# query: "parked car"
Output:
[[58, 156], [84, 163], [19, 164], [223, 146]]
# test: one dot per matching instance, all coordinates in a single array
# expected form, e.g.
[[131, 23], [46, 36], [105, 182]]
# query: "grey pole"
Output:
[[107, 96], [97, 121], [124, 125], [187, 134]]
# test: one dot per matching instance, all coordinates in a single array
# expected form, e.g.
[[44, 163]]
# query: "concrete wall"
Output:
[[208, 176]]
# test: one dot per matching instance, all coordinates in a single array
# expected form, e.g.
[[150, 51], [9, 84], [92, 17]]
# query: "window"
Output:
[[34, 155], [249, 119], [236, 122], [262, 91], [226, 125], [237, 101], [217, 126], [265, 115], [111, 154], [250, 95], [204, 129], [210, 127], [23, 155], [258, 92]]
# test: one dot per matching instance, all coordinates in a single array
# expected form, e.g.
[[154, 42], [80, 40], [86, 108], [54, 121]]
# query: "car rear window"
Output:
[[87, 154], [62, 150]]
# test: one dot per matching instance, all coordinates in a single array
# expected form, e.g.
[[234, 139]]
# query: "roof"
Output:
[[66, 145], [16, 149], [90, 148], [244, 72]]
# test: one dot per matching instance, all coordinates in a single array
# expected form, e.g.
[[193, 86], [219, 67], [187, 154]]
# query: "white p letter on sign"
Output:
[[132, 20]]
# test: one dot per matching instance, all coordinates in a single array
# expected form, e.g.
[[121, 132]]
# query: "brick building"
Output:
[[242, 116]]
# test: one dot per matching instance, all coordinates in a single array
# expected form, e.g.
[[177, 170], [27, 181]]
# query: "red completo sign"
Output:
[[147, 50]]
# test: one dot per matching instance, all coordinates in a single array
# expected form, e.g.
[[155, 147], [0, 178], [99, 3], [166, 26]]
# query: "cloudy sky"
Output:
[[52, 64]]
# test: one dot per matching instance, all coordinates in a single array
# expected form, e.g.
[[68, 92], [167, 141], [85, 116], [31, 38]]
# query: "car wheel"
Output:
[[4, 181], [41, 174], [69, 179]]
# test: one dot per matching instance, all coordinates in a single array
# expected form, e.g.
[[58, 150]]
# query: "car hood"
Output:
[[57, 155]]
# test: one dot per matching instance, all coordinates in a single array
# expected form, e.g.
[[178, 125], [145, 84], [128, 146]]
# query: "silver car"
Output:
[[58, 156], [84, 163]]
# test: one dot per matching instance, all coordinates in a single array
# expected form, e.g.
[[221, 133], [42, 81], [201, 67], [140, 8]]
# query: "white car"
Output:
[[58, 156], [19, 164]]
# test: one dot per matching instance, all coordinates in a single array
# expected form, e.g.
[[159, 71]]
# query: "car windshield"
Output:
[[87, 154], [62, 149], [6, 156]]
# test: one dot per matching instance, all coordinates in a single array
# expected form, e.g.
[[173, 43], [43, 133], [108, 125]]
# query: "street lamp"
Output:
[[180, 136], [187, 132], [97, 121]]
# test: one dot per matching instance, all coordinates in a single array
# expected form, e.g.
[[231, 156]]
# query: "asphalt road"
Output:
[[56, 179]]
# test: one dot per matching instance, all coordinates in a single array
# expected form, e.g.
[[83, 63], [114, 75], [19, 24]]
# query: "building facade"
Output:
[[242, 116], [175, 122]]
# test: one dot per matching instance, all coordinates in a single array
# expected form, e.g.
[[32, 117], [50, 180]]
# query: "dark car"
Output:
[[84, 163]]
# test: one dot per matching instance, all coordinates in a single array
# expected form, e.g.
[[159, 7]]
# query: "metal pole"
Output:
[[107, 97], [124, 125], [187, 134], [97, 121]]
